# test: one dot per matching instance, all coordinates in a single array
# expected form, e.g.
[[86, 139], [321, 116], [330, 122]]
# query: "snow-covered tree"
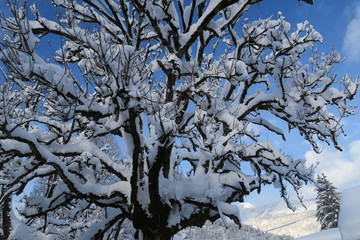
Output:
[[327, 203], [182, 84], [71, 222]]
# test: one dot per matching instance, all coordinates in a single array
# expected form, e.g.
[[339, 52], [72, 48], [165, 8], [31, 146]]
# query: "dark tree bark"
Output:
[[6, 219]]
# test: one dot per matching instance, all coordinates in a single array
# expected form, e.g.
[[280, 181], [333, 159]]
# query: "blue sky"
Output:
[[339, 24]]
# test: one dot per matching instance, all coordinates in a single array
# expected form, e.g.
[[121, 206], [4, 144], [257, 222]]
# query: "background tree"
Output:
[[327, 203], [181, 84]]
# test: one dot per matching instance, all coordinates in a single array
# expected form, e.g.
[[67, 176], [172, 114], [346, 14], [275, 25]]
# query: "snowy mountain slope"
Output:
[[256, 220], [278, 208], [295, 225], [217, 231], [278, 217]]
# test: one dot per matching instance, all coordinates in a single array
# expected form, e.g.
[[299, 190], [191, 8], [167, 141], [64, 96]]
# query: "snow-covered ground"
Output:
[[331, 234], [349, 219]]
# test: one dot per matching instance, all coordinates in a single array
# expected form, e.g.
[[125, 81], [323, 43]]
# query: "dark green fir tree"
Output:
[[328, 203]]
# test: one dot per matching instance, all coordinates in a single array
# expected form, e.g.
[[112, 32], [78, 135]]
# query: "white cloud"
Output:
[[351, 42], [342, 168], [308, 192]]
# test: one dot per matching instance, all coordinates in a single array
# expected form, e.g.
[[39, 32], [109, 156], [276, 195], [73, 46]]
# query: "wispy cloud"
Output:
[[351, 41], [342, 168]]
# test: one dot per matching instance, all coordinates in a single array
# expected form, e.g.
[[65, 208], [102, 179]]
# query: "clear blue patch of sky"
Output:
[[330, 18]]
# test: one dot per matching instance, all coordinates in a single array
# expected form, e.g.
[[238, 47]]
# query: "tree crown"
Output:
[[181, 83]]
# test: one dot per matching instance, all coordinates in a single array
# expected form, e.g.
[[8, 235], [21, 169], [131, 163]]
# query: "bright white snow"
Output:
[[349, 219], [331, 234]]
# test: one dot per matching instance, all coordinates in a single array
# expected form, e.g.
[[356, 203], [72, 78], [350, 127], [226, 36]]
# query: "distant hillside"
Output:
[[256, 220], [217, 231], [296, 224]]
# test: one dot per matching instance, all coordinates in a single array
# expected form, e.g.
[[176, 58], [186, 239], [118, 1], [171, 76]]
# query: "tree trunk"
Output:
[[151, 236], [6, 220]]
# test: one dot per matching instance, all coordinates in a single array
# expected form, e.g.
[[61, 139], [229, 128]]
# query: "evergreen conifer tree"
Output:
[[328, 203]]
